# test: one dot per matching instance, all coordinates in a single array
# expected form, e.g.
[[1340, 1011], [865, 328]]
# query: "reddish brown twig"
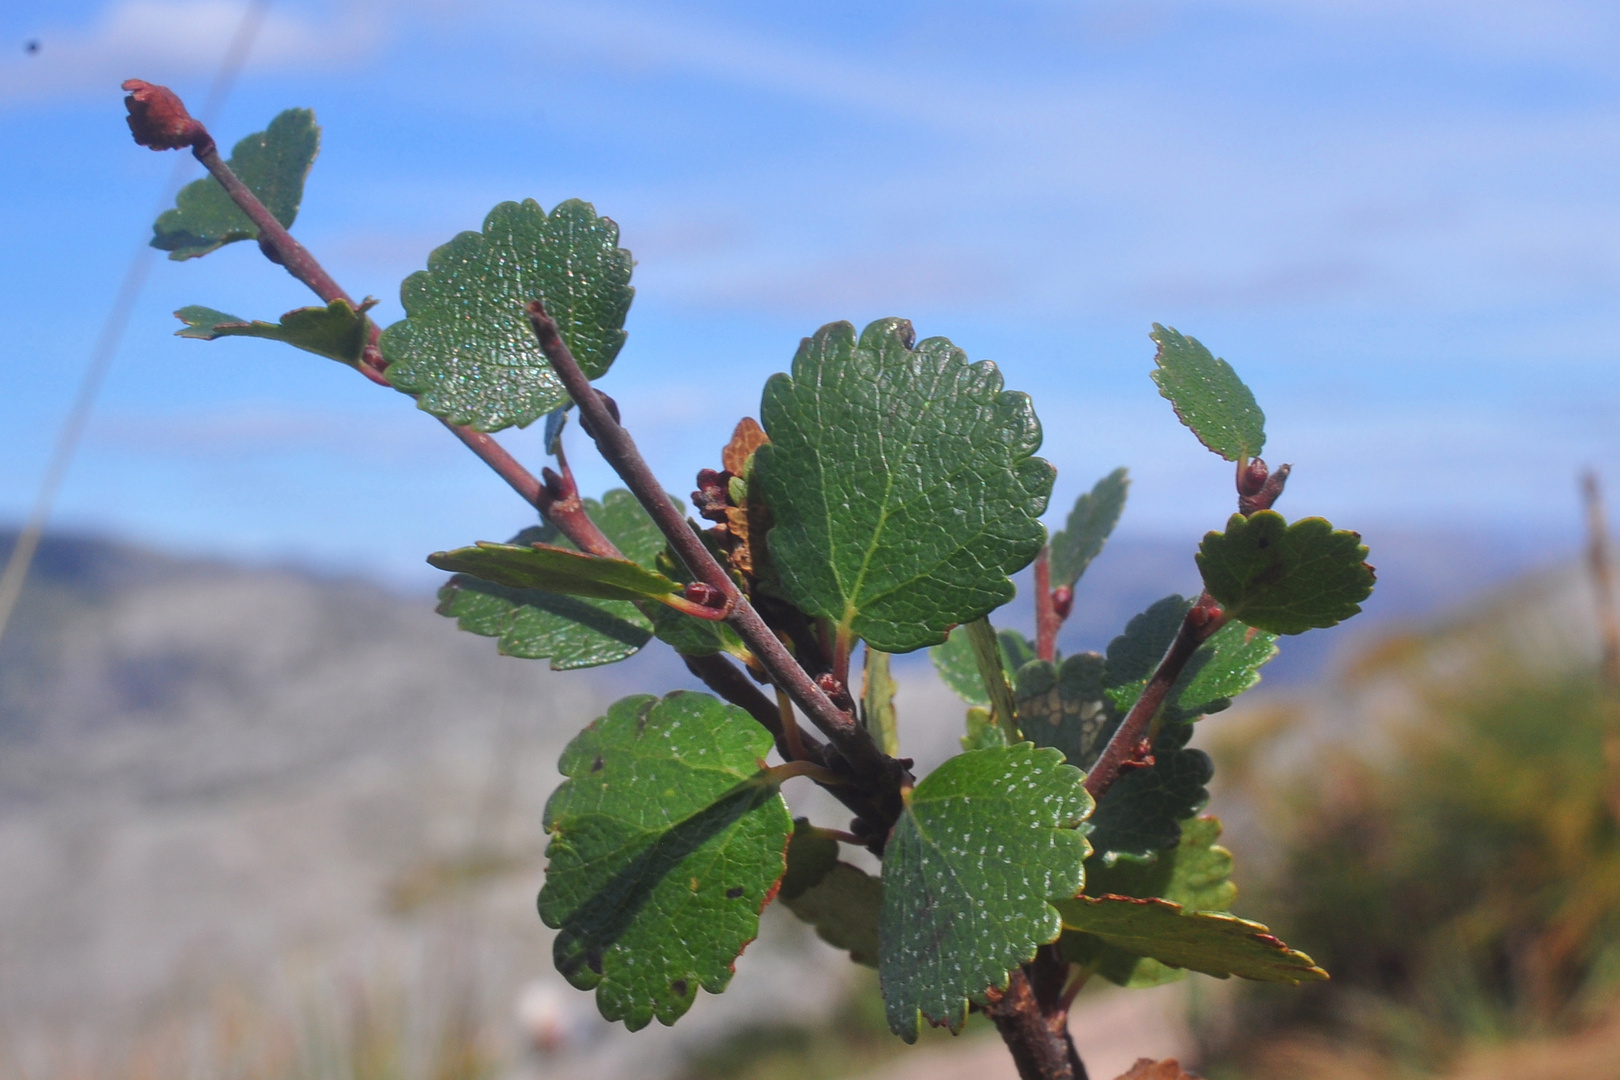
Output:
[[1202, 620], [619, 450], [1048, 620]]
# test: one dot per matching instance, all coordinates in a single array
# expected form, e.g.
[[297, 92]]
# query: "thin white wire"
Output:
[[112, 331]]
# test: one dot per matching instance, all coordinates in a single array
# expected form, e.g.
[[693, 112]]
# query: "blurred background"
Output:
[[264, 815]]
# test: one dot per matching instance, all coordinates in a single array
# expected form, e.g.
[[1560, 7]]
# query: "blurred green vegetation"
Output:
[[1451, 855]]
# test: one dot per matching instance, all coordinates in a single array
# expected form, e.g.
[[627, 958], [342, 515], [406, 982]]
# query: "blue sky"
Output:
[[1399, 220]]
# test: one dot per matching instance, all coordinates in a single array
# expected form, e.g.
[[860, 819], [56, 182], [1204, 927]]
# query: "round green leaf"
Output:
[[1285, 578], [902, 483], [465, 348], [666, 842], [984, 845]]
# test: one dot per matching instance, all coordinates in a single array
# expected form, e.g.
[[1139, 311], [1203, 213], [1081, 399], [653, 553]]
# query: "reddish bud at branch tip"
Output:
[[1063, 601], [1252, 477], [158, 118]]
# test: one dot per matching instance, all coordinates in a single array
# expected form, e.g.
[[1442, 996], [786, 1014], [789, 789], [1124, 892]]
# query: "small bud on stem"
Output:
[[1063, 601], [158, 118]]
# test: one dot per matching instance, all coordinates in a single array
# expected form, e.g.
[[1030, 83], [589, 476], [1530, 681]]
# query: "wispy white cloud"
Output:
[[171, 40]]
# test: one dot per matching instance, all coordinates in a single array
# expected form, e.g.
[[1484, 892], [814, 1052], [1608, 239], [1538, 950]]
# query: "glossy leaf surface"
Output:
[[1284, 578], [902, 483], [984, 844], [465, 348], [273, 163], [1086, 531], [667, 841], [337, 331], [1208, 396]]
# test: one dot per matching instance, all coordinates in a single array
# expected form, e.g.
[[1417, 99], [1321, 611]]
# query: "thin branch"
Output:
[[1203, 619], [562, 508], [1047, 618], [619, 450], [1039, 1042], [274, 238]]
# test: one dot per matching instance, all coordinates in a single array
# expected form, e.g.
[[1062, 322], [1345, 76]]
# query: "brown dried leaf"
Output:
[[747, 438], [1148, 1069], [751, 519]]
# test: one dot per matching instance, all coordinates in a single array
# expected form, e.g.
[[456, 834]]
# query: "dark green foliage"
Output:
[[1141, 814], [273, 163], [465, 348], [1285, 578], [657, 894], [1067, 707], [902, 482], [987, 840]]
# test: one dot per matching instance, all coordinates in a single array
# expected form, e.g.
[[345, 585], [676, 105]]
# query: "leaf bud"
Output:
[[704, 595], [1063, 600], [158, 118], [1252, 477], [836, 691], [710, 498]]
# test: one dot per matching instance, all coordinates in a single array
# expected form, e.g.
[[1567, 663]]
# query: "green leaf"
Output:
[[1134, 655], [1066, 707], [1082, 538], [1208, 396], [465, 348], [337, 331], [841, 901], [1197, 874], [1141, 813], [902, 484], [985, 842], [958, 667], [572, 632], [982, 730], [666, 842], [1211, 942], [1285, 578], [557, 570], [273, 163], [877, 702], [1222, 668], [993, 675]]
